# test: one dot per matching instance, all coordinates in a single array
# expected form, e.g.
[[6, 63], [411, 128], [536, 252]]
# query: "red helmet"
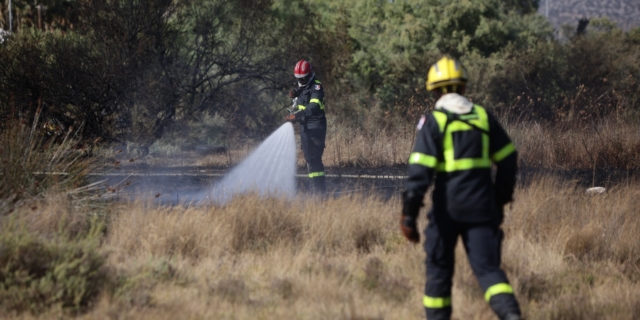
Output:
[[303, 69]]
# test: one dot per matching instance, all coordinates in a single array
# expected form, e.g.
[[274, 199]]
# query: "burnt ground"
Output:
[[174, 184]]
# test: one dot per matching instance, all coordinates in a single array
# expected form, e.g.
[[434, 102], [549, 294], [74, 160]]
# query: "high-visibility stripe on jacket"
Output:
[[459, 150], [478, 119]]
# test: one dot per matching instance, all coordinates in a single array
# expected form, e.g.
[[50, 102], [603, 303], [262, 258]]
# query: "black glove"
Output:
[[411, 204], [503, 196], [293, 93]]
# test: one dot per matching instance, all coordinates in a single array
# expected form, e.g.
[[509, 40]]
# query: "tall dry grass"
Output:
[[34, 164], [569, 256], [608, 143], [265, 258], [50, 221], [367, 148], [605, 144]]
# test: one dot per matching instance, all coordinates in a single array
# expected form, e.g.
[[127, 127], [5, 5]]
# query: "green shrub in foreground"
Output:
[[36, 275]]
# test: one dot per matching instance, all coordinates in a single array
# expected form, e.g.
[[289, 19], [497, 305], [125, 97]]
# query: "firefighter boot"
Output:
[[513, 316], [319, 187], [438, 313], [505, 306]]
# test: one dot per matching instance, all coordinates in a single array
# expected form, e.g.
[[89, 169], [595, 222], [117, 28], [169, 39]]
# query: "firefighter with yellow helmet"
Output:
[[456, 146]]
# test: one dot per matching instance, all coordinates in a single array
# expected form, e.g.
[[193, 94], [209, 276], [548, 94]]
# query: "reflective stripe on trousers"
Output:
[[436, 302], [316, 174]]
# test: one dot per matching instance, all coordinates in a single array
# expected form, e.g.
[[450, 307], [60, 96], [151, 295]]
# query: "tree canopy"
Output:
[[131, 70]]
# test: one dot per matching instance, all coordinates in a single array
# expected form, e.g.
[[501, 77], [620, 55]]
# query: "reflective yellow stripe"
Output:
[[301, 107], [504, 152], [318, 81], [450, 164], [318, 102], [468, 116], [499, 288], [423, 160], [436, 303], [316, 174], [441, 119], [464, 164]]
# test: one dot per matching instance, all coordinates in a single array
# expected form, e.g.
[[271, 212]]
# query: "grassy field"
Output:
[[606, 144], [69, 250], [568, 255]]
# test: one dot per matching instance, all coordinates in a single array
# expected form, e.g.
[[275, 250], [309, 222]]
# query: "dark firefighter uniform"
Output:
[[313, 129], [457, 151]]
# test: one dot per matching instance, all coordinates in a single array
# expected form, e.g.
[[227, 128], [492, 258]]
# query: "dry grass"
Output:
[[568, 255], [351, 147], [269, 258], [608, 144], [30, 163]]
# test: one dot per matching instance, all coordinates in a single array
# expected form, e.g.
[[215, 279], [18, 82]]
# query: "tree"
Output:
[[132, 68], [41, 14], [397, 41]]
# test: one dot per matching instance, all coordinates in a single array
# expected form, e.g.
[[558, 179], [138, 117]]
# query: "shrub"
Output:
[[36, 275], [589, 77]]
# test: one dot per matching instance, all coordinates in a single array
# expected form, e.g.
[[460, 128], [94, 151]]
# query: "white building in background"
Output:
[[625, 13]]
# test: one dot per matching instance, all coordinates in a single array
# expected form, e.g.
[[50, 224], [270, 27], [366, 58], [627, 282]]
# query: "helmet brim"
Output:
[[449, 82]]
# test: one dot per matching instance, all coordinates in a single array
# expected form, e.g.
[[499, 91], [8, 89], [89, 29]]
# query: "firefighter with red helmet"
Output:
[[458, 143], [309, 112]]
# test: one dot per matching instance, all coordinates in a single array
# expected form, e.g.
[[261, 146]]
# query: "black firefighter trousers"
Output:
[[312, 141], [483, 243]]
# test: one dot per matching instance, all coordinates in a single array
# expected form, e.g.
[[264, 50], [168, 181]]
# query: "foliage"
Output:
[[41, 14], [36, 274], [394, 42], [133, 67], [591, 76], [136, 70]]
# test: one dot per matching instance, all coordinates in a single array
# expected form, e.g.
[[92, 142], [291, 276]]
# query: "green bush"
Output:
[[589, 77], [36, 274], [136, 71], [396, 42]]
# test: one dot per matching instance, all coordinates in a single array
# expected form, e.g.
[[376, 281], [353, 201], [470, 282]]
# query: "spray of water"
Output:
[[269, 170]]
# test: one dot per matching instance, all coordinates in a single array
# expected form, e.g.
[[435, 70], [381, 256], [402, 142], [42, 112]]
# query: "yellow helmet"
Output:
[[446, 72]]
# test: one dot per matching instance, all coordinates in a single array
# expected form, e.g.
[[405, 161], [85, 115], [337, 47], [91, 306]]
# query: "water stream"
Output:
[[268, 171]]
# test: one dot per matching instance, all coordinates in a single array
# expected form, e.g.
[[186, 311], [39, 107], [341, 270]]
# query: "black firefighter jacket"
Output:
[[458, 143], [311, 106]]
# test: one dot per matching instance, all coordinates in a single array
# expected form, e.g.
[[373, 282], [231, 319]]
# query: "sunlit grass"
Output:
[[607, 144], [569, 256]]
